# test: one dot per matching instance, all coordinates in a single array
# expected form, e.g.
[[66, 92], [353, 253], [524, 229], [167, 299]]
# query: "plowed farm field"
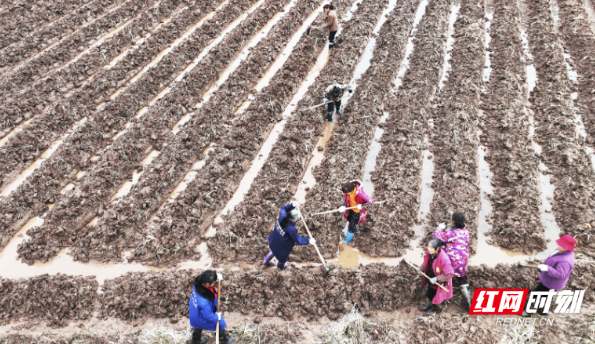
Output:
[[142, 142]]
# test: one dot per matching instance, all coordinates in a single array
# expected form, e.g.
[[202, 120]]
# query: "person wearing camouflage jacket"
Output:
[[332, 98]]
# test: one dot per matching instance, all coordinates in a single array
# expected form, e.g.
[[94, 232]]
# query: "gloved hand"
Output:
[[433, 280], [359, 207], [325, 102], [418, 271], [342, 209], [219, 276], [295, 204], [322, 27], [312, 241], [442, 225], [542, 267], [218, 316]]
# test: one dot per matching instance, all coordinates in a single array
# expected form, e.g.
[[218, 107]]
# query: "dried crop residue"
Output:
[[563, 151], [515, 198], [53, 105], [89, 139], [184, 210], [364, 64], [291, 154], [173, 164]]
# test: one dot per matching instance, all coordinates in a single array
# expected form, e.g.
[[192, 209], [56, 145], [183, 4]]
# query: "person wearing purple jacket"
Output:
[[556, 269], [456, 247]]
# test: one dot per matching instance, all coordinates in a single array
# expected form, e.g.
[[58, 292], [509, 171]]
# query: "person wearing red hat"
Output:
[[556, 269]]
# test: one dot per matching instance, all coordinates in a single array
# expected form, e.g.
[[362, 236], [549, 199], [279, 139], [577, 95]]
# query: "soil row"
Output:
[[243, 235], [563, 150], [22, 20], [308, 292], [54, 299], [75, 153], [64, 88], [354, 132], [44, 185], [16, 81], [453, 136], [89, 23], [397, 176], [121, 225], [117, 163], [186, 219], [516, 222], [579, 42]]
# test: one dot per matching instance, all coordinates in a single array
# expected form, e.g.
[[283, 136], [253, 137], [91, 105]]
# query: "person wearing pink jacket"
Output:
[[437, 266], [354, 197]]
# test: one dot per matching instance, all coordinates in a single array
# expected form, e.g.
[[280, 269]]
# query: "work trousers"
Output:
[[331, 38], [539, 287], [330, 105], [460, 281], [353, 219]]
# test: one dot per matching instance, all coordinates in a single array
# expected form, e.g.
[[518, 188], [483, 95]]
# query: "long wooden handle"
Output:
[[218, 310], [310, 235], [426, 276], [337, 210], [310, 108]]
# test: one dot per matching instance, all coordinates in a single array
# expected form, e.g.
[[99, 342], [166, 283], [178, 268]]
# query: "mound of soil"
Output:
[[55, 299]]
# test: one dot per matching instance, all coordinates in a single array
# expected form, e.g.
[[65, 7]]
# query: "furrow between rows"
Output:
[[65, 223], [75, 152], [30, 199], [397, 176], [505, 132], [563, 150], [34, 63], [181, 151], [184, 220], [453, 135], [17, 24], [355, 132], [251, 221], [73, 87]]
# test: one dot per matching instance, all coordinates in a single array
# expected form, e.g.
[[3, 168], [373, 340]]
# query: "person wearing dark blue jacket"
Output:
[[285, 236], [202, 308]]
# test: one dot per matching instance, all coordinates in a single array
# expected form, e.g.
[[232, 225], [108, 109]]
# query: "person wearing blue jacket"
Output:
[[285, 236], [202, 308]]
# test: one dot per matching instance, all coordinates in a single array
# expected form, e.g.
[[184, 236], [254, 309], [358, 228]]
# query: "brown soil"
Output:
[[251, 222], [563, 150], [516, 222]]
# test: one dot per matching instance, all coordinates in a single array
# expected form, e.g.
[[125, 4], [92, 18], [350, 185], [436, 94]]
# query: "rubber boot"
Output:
[[339, 112], [348, 237], [268, 258], [426, 305], [330, 117], [434, 309], [467, 295], [224, 338], [282, 267]]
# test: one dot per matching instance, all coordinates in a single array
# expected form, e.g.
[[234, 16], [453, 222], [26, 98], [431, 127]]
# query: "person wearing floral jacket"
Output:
[[436, 266], [456, 247]]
